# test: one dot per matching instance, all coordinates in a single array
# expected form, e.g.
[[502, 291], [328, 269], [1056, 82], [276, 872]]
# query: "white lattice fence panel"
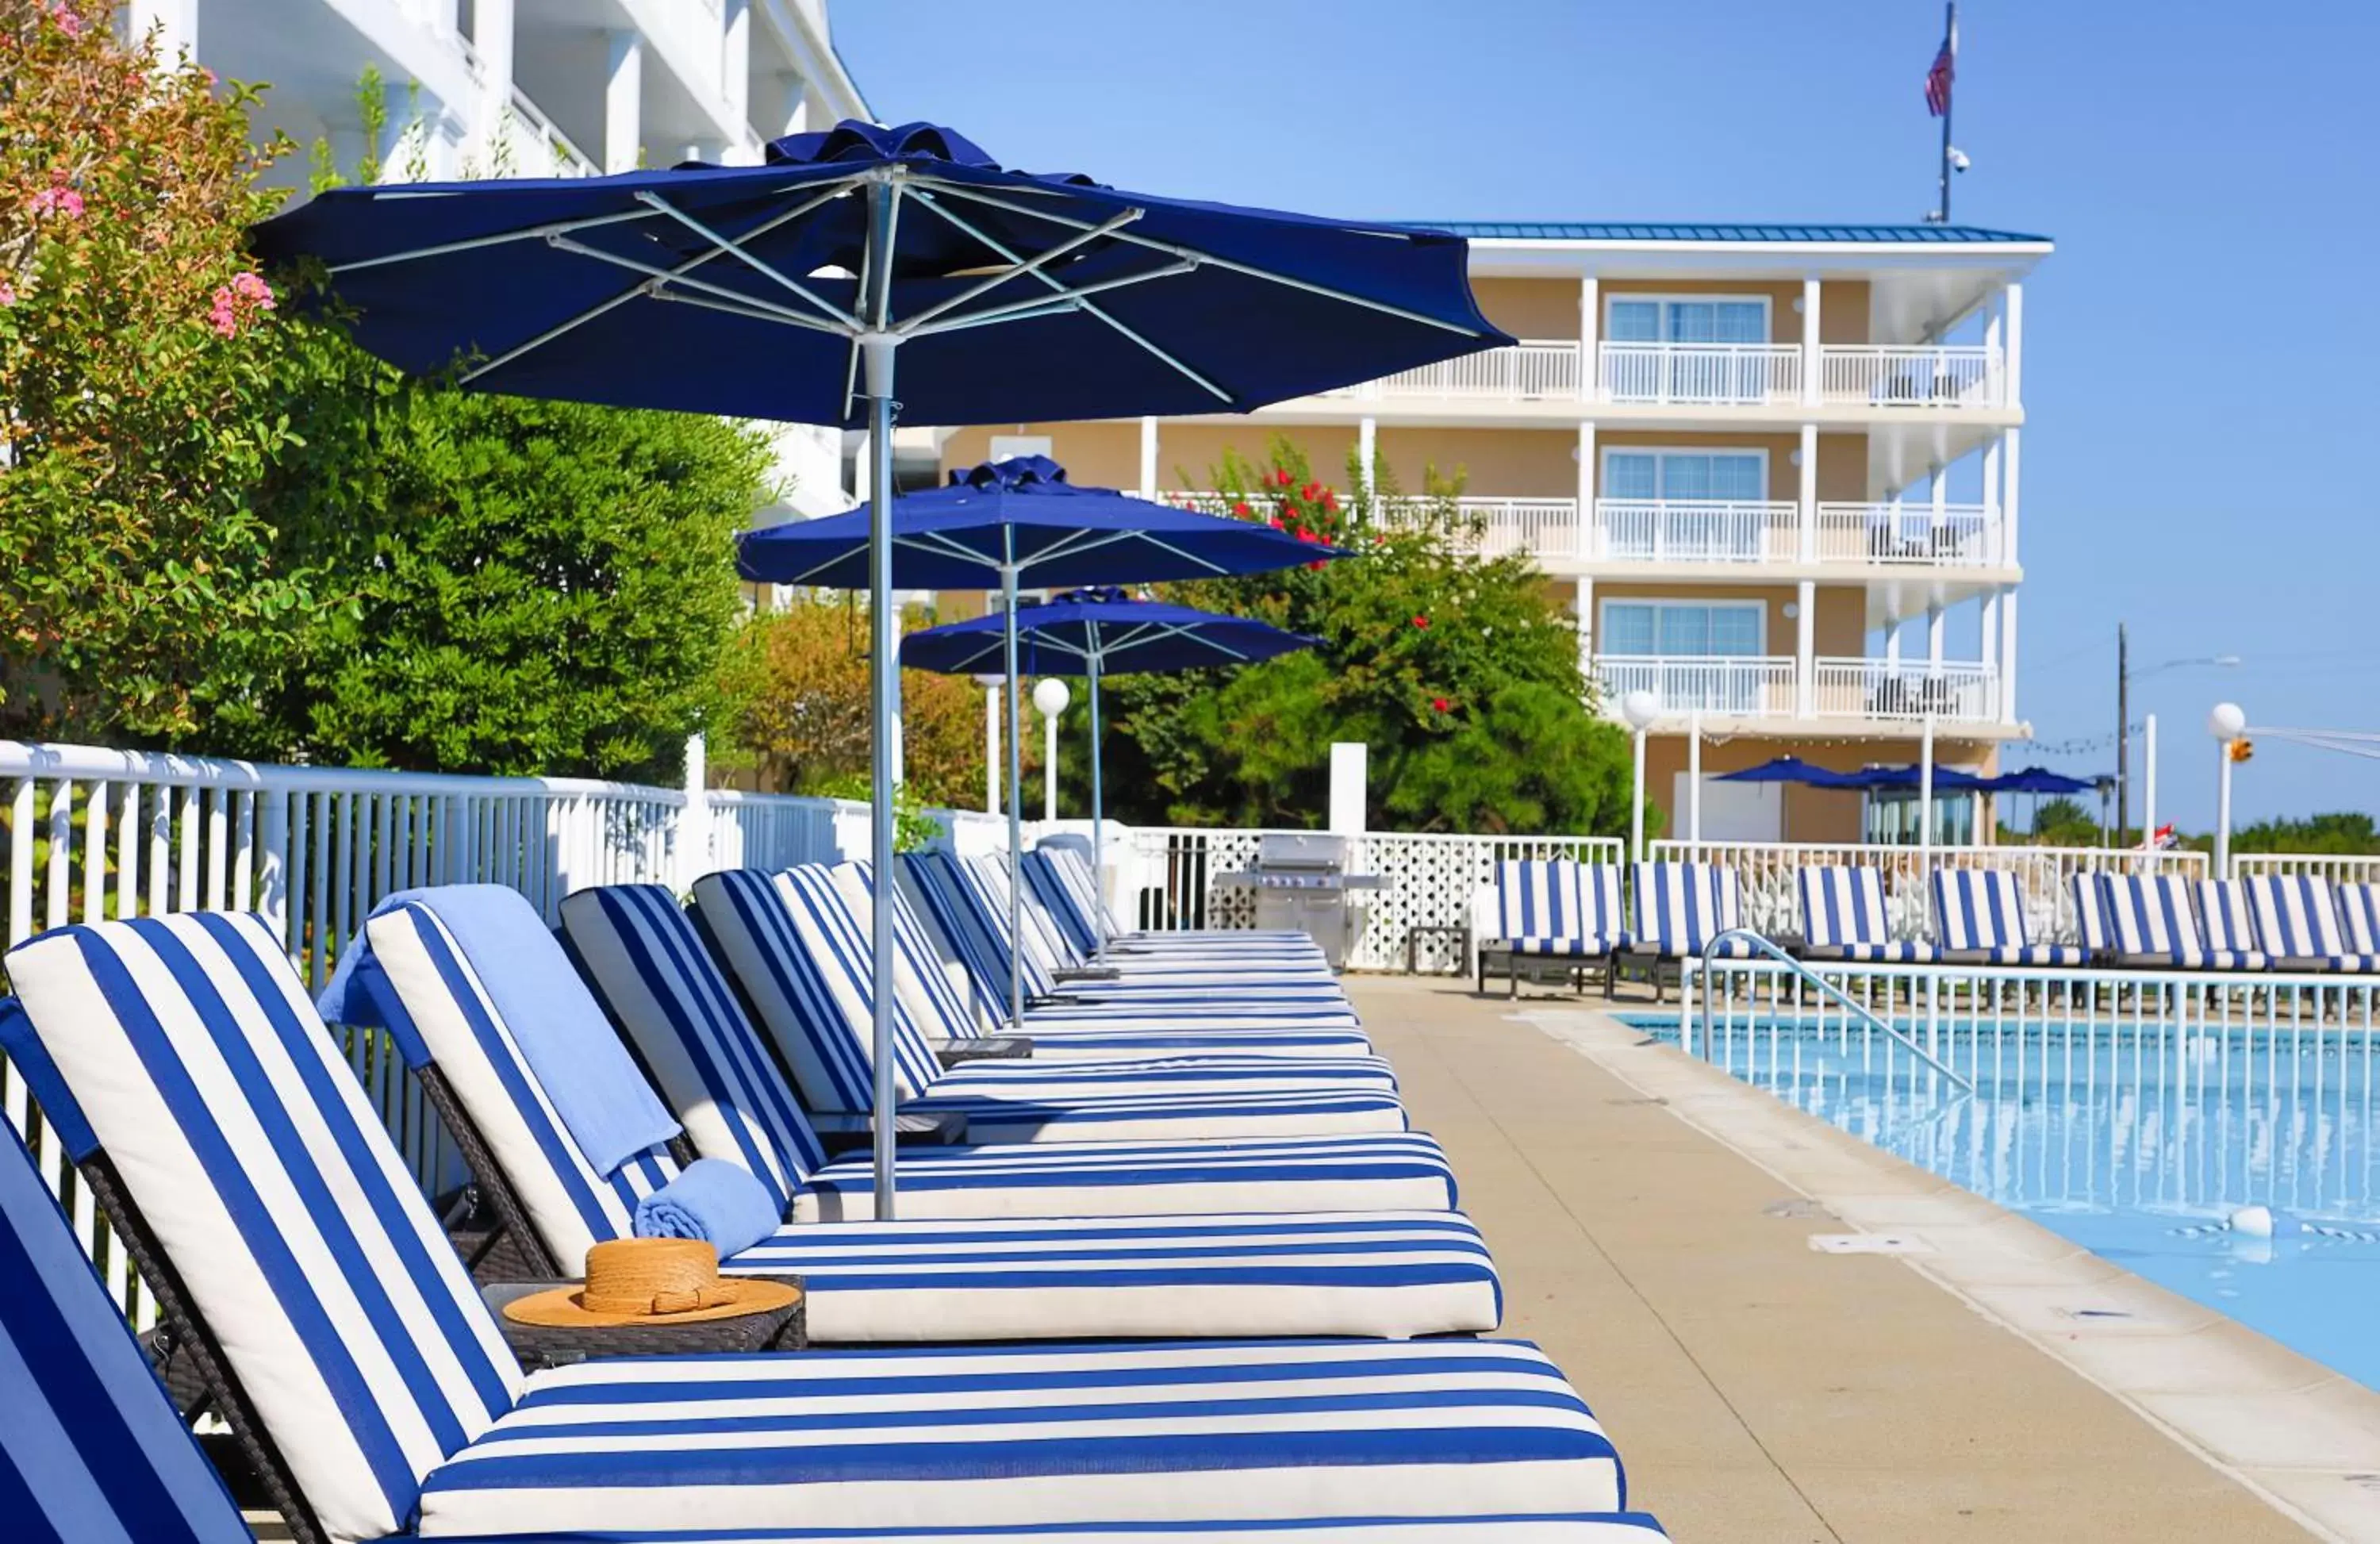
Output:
[[1176, 885], [1428, 882]]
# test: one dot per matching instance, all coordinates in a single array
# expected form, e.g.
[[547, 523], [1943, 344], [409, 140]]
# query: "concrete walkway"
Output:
[[1760, 1389]]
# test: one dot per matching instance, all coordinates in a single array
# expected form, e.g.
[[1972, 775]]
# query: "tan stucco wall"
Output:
[[1096, 455], [1530, 308], [1497, 463], [1187, 453]]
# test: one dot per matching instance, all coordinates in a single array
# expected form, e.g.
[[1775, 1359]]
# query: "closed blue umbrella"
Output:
[[798, 288], [1096, 632], [1014, 523], [2038, 780]]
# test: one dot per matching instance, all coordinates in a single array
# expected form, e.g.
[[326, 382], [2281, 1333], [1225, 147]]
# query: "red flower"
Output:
[[1242, 510], [1311, 490], [1275, 523], [1330, 501], [1316, 564], [1440, 703], [1379, 541], [1305, 535], [1421, 622], [1284, 478]]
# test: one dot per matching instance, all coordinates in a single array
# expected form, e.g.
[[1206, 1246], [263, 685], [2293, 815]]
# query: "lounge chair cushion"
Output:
[[1593, 948], [1895, 951], [948, 1438]]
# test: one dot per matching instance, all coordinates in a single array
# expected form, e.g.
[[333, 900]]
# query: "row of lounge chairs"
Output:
[[1563, 915], [1172, 1282]]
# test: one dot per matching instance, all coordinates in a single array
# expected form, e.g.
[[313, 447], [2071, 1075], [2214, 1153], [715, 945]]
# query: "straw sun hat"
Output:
[[650, 1281]]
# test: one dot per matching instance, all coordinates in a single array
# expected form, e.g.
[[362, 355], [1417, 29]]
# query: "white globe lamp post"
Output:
[[2226, 723], [1639, 708], [1051, 695]]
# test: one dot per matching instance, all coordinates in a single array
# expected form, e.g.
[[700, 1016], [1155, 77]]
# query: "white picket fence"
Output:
[[2328, 868]]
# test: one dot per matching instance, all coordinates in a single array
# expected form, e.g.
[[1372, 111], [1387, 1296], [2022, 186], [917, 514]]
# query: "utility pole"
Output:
[[2123, 734]]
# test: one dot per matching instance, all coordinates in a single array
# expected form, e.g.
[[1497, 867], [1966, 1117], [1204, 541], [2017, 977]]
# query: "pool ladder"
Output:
[[1826, 987]]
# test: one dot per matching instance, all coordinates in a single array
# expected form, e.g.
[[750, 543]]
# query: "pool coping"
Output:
[[2302, 1436]]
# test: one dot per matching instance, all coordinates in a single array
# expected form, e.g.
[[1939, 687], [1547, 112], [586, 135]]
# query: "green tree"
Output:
[[1459, 672], [2341, 834], [140, 589]]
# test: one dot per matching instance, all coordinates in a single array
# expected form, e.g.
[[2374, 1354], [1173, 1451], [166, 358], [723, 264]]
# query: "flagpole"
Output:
[[1951, 42]]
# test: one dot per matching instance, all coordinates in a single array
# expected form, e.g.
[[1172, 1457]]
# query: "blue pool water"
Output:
[[2137, 1142]]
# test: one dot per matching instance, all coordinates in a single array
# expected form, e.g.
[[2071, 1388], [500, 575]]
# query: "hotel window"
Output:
[[1660, 504], [1659, 320], [1683, 630], [1664, 348]]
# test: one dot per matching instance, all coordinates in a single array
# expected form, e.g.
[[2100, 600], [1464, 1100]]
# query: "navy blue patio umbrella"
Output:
[[1792, 768], [1014, 523], [798, 288], [1096, 632], [2038, 780]]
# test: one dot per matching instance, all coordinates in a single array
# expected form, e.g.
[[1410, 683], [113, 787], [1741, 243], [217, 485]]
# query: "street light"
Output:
[[1640, 708], [1051, 695], [2227, 723], [2125, 676], [990, 685]]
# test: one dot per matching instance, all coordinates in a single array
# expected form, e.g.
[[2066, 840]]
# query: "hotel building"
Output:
[[1773, 470]]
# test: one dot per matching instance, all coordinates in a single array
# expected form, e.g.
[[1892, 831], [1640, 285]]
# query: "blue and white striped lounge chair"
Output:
[[936, 991], [2297, 926], [2149, 922], [1066, 895], [640, 952], [1396, 1274], [2359, 917], [972, 926], [1250, 969], [179, 1060], [1843, 918], [2226, 925], [792, 951], [1074, 867], [1979, 919], [1678, 909], [1551, 909]]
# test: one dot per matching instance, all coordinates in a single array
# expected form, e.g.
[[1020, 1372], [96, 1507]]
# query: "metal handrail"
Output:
[[1710, 1002]]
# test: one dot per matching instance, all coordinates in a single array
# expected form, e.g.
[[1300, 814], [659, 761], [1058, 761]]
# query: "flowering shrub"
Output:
[[136, 580]]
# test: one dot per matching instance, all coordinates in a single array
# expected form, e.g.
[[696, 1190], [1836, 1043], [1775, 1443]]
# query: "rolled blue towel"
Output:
[[713, 1200]]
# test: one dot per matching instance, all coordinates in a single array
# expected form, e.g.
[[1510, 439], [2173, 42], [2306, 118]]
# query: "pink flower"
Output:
[[69, 22], [8, 293], [58, 200], [249, 286]]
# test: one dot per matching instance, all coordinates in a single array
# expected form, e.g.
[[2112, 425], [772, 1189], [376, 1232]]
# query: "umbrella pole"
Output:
[[1099, 806], [1016, 791], [879, 354]]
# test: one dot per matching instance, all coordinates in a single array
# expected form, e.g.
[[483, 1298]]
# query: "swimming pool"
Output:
[[2143, 1137]]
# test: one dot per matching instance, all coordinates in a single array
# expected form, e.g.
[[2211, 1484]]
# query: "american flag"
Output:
[[1938, 79]]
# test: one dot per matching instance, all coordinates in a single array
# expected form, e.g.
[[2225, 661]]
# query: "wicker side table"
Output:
[[541, 1345]]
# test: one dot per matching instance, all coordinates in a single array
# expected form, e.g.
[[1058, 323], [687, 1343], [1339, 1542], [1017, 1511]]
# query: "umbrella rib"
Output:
[[782, 318], [1073, 299], [1196, 255], [759, 308], [1101, 312], [1017, 271], [532, 233], [734, 249]]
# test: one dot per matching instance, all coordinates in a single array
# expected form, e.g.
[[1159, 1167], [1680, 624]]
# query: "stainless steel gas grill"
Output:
[[1302, 885]]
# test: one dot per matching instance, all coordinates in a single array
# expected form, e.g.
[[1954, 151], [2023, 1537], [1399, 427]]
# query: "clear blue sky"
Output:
[[2202, 355]]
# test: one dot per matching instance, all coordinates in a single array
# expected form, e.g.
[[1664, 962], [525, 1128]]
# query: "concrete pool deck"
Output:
[[1932, 1367]]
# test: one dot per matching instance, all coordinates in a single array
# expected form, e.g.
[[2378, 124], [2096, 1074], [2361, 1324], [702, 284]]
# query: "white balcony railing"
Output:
[[1715, 373], [1958, 690], [1747, 686], [1696, 531], [1496, 526], [1955, 536], [1891, 375], [535, 146], [1537, 369]]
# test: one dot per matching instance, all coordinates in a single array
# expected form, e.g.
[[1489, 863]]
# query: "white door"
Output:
[[1732, 811]]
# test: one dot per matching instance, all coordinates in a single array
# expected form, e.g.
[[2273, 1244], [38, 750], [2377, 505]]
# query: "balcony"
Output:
[[1955, 536], [532, 145], [1872, 690], [1696, 530], [1851, 376]]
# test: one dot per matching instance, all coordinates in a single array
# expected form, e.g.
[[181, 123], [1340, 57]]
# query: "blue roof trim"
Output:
[[1562, 230]]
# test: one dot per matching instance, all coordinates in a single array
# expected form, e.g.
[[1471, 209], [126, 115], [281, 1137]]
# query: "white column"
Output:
[[2009, 470], [2008, 655], [1636, 805], [178, 24], [1694, 777], [1991, 494], [1810, 298], [1892, 641], [2223, 810], [735, 64], [694, 831], [624, 102], [1939, 490], [1807, 493], [2013, 372], [1990, 650], [1805, 650], [1934, 631], [492, 38], [1590, 332], [1368, 449], [1348, 762], [992, 762], [794, 108], [1148, 457], [1590, 530], [1584, 609]]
